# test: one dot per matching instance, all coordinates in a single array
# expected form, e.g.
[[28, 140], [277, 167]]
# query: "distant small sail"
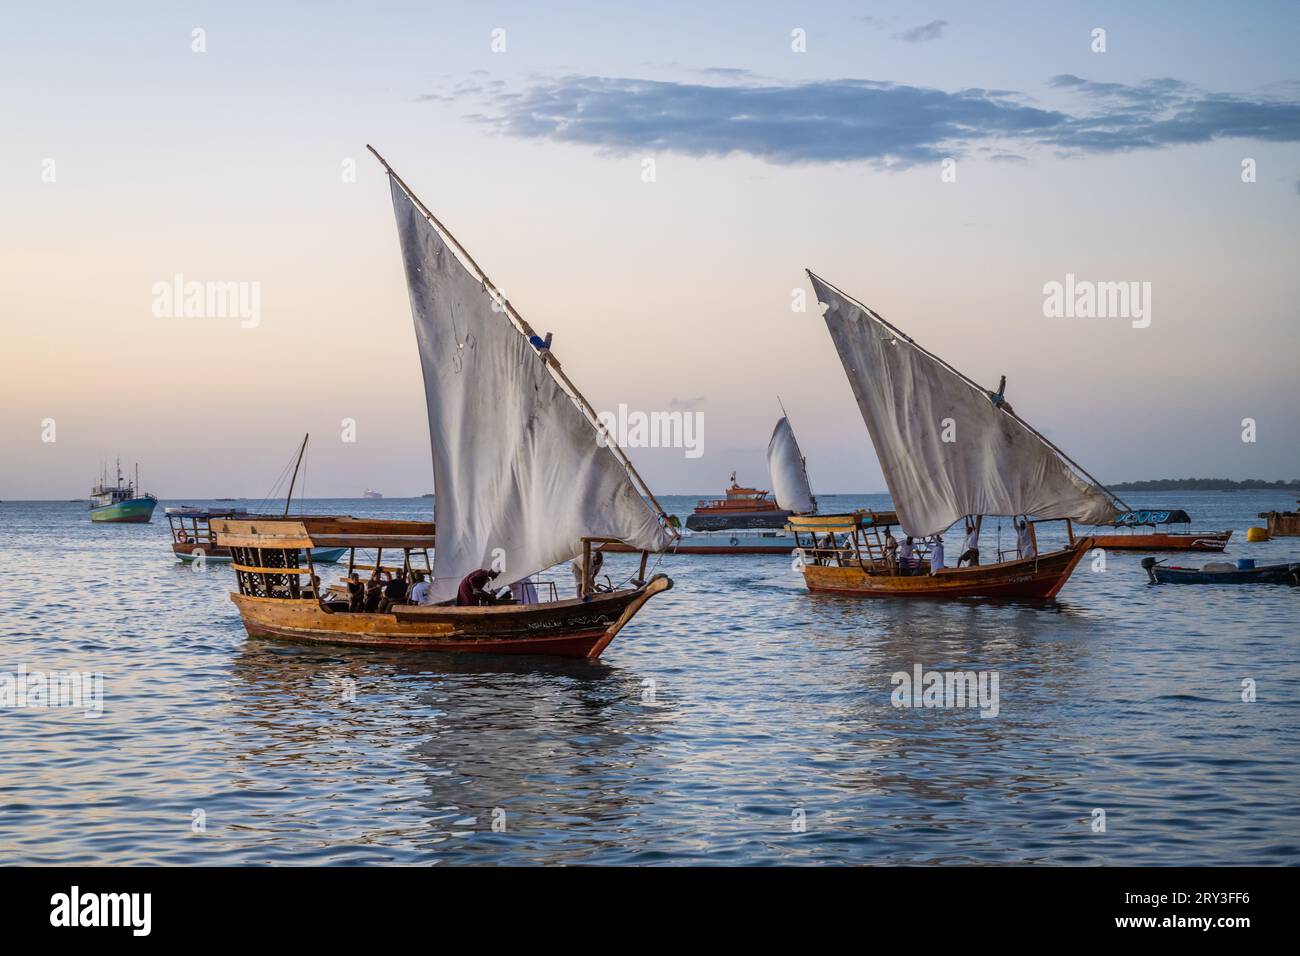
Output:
[[518, 471], [911, 401], [785, 466]]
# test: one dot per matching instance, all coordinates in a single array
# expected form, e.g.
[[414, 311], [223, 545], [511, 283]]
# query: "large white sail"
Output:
[[785, 466], [946, 449], [519, 478]]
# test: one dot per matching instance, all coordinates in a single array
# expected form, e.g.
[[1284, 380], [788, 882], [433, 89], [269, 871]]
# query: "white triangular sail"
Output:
[[911, 401], [519, 477], [785, 467]]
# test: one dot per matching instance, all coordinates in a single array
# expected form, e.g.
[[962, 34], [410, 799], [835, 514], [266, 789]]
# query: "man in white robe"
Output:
[[1025, 541], [936, 554], [970, 548]]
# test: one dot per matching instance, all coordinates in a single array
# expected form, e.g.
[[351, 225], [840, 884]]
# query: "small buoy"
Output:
[[1256, 534]]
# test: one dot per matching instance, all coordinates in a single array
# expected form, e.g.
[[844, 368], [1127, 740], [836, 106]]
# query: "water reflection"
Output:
[[531, 742]]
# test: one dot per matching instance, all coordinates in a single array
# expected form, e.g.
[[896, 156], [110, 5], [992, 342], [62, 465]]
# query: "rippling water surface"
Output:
[[734, 711]]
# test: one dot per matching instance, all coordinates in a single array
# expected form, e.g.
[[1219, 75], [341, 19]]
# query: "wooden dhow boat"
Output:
[[1282, 524], [1129, 537], [949, 450], [522, 484]]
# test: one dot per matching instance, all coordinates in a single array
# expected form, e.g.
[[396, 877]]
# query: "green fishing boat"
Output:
[[121, 503]]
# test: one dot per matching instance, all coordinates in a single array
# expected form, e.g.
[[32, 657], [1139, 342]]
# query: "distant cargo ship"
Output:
[[372, 494], [121, 504]]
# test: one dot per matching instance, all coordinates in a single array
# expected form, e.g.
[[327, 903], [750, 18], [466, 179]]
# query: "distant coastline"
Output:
[[1206, 484]]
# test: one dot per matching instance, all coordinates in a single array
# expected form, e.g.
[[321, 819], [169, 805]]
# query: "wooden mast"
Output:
[[296, 464], [973, 384], [527, 330]]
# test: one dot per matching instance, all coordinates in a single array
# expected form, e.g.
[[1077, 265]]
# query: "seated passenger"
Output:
[[374, 592], [356, 593], [395, 591], [419, 588]]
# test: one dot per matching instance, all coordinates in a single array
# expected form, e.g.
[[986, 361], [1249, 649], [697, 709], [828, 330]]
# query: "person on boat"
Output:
[[473, 588], [312, 590], [395, 590], [356, 593], [419, 588], [1025, 541], [970, 549], [936, 554], [905, 556], [597, 562], [891, 551], [374, 592]]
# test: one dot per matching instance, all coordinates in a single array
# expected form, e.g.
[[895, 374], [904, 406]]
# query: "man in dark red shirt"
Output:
[[471, 592]]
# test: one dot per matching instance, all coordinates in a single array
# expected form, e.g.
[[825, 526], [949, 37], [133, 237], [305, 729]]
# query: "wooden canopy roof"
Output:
[[842, 523], [323, 531]]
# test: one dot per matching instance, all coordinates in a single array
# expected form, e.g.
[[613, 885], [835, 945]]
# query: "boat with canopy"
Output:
[[950, 451], [194, 539], [1131, 535], [522, 484]]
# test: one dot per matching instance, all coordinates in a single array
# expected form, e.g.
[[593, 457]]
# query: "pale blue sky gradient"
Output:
[[226, 165]]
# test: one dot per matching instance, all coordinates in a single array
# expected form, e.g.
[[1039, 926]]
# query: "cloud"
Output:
[[827, 121], [926, 31], [883, 123]]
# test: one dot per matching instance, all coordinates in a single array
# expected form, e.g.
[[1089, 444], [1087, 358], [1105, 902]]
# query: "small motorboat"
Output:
[[1223, 572]]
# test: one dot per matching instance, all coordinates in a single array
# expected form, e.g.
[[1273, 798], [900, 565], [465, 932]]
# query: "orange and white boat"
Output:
[[1130, 533], [739, 508], [949, 450]]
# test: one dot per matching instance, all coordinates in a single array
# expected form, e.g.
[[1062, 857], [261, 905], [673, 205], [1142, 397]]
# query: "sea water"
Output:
[[737, 720]]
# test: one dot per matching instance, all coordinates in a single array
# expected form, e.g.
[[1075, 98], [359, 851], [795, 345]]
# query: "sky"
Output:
[[941, 162]]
